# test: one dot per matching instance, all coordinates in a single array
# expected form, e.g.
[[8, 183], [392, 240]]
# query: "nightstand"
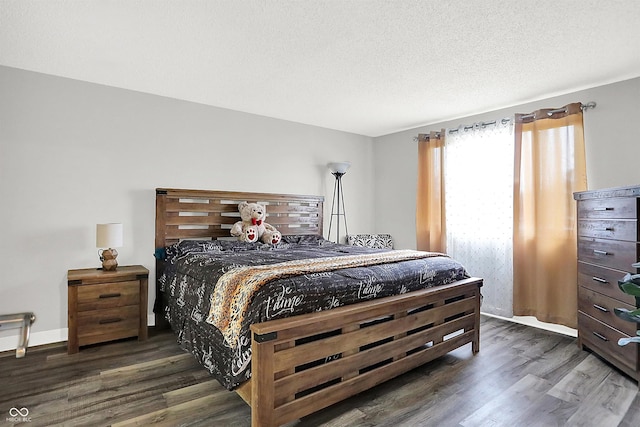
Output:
[[106, 305]]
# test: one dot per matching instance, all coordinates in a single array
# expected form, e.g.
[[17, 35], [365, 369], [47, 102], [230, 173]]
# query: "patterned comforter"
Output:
[[193, 268]]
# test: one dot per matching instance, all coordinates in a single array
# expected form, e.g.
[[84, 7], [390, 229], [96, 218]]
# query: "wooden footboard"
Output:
[[308, 362]]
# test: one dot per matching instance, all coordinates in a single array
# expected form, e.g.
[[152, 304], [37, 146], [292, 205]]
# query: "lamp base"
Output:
[[108, 258]]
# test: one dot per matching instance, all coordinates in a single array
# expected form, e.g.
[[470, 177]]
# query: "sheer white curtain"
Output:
[[478, 180]]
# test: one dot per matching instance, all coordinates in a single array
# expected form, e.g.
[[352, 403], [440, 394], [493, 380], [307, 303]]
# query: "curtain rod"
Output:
[[583, 107]]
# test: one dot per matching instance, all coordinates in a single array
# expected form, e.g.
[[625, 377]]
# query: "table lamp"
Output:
[[109, 236]]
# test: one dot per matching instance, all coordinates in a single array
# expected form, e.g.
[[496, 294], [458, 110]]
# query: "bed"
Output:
[[316, 331]]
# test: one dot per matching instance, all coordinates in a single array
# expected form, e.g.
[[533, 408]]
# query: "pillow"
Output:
[[190, 247], [304, 239], [378, 241]]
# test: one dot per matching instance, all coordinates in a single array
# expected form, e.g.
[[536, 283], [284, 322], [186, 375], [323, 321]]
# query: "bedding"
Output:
[[193, 269]]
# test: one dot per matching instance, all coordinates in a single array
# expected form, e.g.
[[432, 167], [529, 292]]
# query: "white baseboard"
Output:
[[10, 342], [532, 321]]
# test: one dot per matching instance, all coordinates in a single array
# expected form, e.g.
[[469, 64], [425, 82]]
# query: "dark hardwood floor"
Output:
[[521, 377]]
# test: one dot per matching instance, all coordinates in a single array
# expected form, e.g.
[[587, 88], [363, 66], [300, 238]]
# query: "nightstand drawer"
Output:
[[608, 253], [603, 280], [604, 340], [617, 229], [108, 295], [601, 308], [110, 324], [608, 208]]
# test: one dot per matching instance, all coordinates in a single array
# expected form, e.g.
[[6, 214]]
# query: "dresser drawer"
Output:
[[608, 208], [108, 295], [604, 340], [601, 308], [608, 253], [108, 324], [603, 280], [617, 229]]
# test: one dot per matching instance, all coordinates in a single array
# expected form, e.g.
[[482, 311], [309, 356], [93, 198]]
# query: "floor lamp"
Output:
[[338, 169]]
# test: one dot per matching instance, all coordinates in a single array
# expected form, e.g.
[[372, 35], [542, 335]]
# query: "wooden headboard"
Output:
[[203, 214]]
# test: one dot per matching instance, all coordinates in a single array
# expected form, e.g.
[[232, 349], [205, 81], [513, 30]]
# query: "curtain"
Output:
[[549, 168], [430, 224], [479, 204]]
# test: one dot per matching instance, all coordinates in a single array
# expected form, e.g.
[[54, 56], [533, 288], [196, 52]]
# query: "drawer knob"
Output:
[[113, 295], [599, 252], [110, 320], [602, 209], [601, 308], [602, 337], [599, 280]]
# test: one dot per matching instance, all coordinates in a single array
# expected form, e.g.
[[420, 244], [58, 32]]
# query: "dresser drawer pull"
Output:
[[602, 209], [113, 295], [601, 308], [599, 252], [114, 320], [602, 337], [605, 229], [599, 280]]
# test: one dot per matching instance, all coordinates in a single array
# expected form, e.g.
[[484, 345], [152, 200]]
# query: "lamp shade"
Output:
[[339, 167], [109, 235]]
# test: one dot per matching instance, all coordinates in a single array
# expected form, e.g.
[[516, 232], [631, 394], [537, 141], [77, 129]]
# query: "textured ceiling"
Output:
[[371, 67]]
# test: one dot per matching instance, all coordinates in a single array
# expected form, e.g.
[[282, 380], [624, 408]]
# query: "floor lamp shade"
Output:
[[108, 237], [338, 169]]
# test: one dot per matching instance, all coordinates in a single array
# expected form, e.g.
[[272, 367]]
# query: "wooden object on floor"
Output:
[[106, 305], [607, 246], [451, 309]]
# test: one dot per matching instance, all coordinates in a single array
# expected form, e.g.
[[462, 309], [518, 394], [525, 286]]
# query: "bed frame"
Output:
[[361, 345]]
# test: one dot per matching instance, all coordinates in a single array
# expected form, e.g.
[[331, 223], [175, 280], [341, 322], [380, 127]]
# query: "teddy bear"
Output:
[[253, 215]]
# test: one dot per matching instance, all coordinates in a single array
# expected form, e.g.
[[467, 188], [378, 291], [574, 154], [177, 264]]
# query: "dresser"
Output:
[[106, 305], [607, 246]]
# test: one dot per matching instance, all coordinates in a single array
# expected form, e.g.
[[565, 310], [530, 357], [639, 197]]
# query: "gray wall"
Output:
[[74, 154], [611, 137]]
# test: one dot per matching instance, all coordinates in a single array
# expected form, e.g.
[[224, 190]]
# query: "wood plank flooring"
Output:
[[521, 377]]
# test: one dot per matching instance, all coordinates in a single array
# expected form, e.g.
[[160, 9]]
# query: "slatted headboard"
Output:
[[203, 214]]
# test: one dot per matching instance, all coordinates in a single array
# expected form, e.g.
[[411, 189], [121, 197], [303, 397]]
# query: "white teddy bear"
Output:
[[253, 216]]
